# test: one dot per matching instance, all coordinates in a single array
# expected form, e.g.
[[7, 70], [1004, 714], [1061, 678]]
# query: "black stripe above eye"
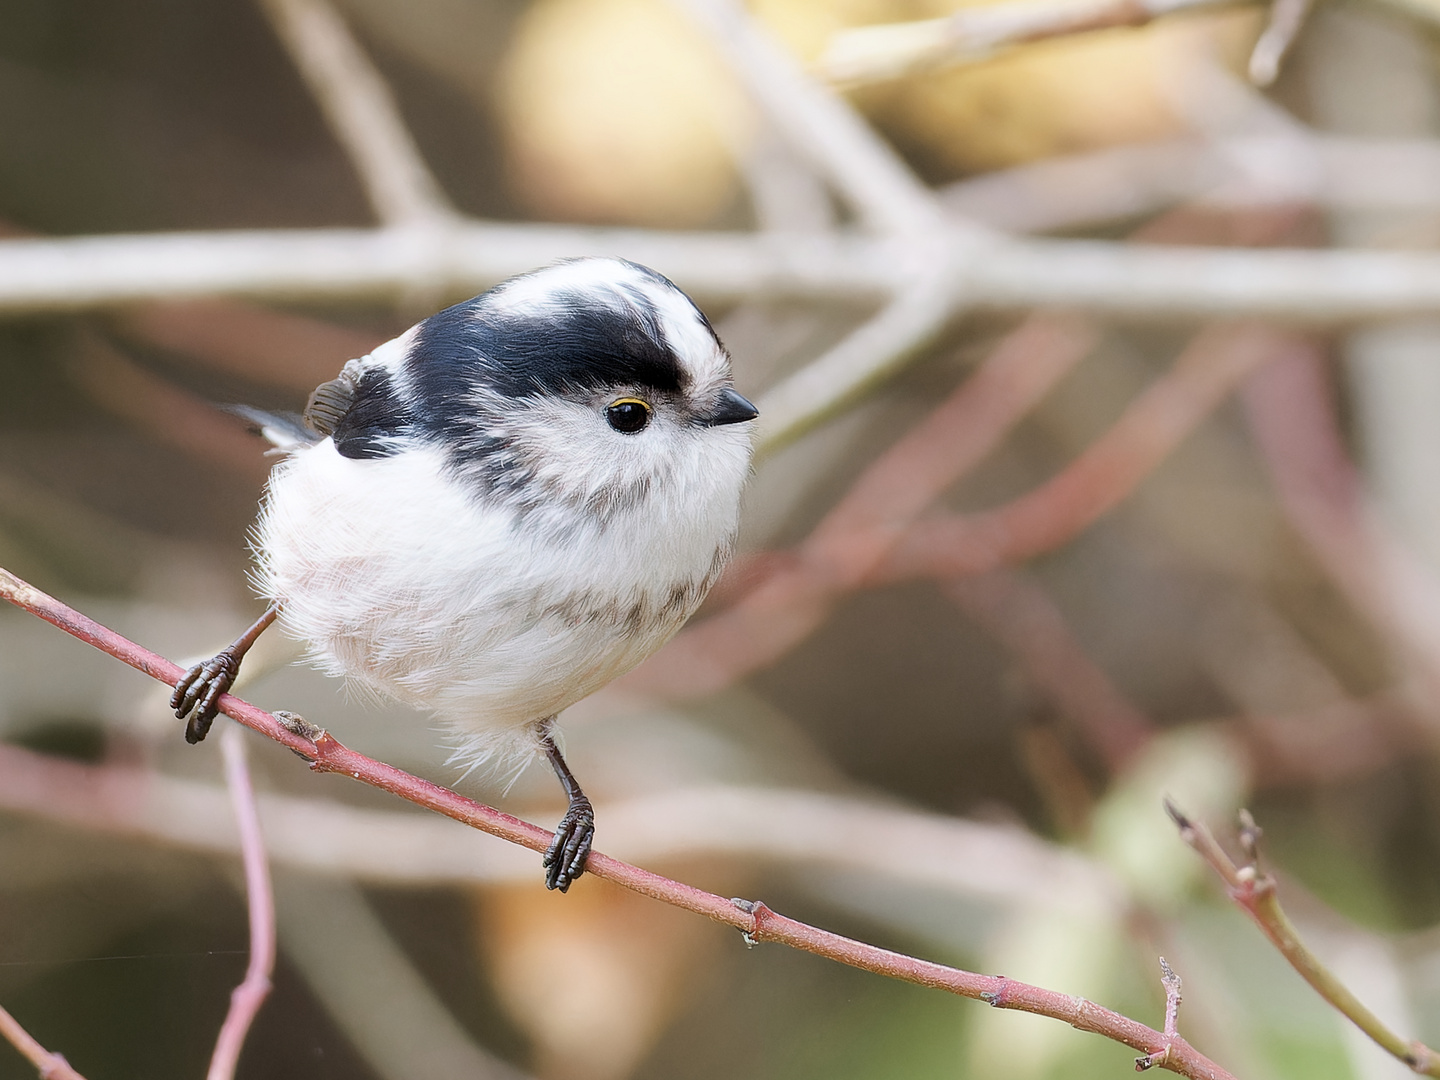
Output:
[[570, 343]]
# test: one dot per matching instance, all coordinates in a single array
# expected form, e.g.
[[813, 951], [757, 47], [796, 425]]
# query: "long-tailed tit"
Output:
[[503, 509]]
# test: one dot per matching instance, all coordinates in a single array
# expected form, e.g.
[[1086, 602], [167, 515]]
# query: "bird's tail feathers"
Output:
[[283, 430]]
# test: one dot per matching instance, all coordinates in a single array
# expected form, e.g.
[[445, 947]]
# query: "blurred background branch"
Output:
[[1047, 526]]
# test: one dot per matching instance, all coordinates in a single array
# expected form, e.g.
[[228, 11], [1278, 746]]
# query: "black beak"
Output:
[[730, 408]]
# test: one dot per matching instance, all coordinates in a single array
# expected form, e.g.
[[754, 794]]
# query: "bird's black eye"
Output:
[[628, 414]]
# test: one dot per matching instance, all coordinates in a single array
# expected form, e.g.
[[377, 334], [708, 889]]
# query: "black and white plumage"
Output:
[[506, 507]]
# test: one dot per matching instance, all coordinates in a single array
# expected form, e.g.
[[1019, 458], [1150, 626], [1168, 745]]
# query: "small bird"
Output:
[[501, 510]]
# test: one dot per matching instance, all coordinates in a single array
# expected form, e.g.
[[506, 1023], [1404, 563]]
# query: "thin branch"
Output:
[[1293, 421], [880, 187], [299, 264], [165, 412], [1312, 286], [50, 1066], [1171, 982], [1286, 19], [355, 968], [1254, 892], [1212, 365], [257, 343], [892, 50], [908, 848], [1019, 614], [756, 921], [866, 357], [247, 998], [1235, 172], [361, 112]]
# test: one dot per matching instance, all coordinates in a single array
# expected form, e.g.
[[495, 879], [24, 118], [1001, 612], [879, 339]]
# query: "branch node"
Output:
[[298, 725], [752, 908], [995, 998], [1150, 1061], [1421, 1058]]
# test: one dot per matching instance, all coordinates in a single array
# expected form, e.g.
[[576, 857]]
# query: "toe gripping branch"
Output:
[[565, 859], [197, 694]]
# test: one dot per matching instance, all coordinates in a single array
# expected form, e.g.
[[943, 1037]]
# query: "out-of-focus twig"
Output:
[[1312, 286], [1229, 172], [71, 274], [371, 989], [1286, 19], [839, 143], [259, 344], [1254, 892], [361, 112], [1019, 614], [167, 413], [49, 1066], [246, 999], [1212, 365], [891, 50], [865, 357], [754, 919], [1292, 419], [798, 828]]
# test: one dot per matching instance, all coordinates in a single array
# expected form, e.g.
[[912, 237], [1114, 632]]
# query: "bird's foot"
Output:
[[199, 689], [565, 861]]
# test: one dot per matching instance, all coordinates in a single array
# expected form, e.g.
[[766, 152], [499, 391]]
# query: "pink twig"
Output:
[[1255, 892], [756, 921], [1212, 365], [1171, 982], [50, 1066], [1021, 617], [1292, 418], [247, 998]]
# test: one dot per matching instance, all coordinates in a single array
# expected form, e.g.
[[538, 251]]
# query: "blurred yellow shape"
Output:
[[594, 976], [1059, 96], [618, 110]]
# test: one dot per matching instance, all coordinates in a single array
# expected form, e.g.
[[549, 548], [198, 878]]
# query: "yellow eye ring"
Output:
[[628, 414]]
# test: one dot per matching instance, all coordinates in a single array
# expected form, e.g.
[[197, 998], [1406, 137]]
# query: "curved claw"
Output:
[[565, 859], [199, 689]]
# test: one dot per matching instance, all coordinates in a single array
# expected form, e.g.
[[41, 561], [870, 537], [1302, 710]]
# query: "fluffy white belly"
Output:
[[411, 588]]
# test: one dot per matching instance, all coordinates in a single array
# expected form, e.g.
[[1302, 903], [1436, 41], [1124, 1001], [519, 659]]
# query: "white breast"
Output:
[[411, 587]]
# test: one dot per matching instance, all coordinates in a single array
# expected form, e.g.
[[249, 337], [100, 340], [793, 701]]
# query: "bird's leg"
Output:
[[200, 687], [565, 861]]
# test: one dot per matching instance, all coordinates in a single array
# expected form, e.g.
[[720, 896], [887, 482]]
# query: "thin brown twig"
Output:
[[1292, 416], [165, 412], [1018, 613], [247, 998], [1286, 19], [756, 921], [1254, 892], [1211, 366], [50, 1066], [892, 50], [361, 111]]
